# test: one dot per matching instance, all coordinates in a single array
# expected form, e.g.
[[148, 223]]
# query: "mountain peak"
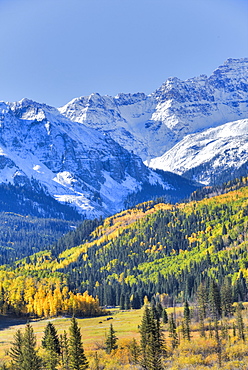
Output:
[[152, 124], [236, 69], [85, 149]]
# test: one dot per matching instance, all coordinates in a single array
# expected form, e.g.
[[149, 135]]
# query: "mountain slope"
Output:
[[152, 248], [207, 156], [73, 163], [21, 236], [152, 124], [85, 153]]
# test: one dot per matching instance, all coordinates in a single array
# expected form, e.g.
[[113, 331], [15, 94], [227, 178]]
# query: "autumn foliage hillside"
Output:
[[152, 248]]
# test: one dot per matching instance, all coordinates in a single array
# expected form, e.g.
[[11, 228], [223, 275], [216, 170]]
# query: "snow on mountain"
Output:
[[75, 163], [206, 156], [151, 125], [123, 117], [85, 153]]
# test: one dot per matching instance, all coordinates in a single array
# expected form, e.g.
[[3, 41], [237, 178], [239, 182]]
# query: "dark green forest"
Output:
[[153, 248]]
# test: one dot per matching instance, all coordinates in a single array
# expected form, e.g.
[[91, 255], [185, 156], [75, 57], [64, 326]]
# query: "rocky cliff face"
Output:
[[75, 163], [151, 125], [88, 153]]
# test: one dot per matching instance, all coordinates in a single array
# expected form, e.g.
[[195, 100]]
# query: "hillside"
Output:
[[31, 199], [152, 248], [21, 236]]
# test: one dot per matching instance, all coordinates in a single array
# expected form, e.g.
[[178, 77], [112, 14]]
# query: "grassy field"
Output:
[[93, 330], [198, 354]]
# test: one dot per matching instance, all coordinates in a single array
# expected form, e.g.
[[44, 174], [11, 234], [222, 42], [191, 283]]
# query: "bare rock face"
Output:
[[152, 124], [90, 152], [74, 163]]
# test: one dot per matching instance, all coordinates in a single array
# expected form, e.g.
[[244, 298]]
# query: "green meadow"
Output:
[[93, 330]]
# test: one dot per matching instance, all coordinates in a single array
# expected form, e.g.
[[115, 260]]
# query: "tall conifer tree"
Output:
[[51, 343], [16, 351], [202, 307], [186, 316], [31, 360], [151, 341], [111, 340], [172, 332], [77, 358], [214, 301], [64, 346], [240, 323], [165, 316]]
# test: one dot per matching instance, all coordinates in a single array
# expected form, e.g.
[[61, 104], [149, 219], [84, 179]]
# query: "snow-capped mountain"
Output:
[[74, 163], [89, 153], [123, 117], [210, 156], [149, 125]]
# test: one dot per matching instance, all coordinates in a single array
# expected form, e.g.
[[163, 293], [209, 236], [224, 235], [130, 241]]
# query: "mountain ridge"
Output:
[[206, 156], [89, 152], [75, 164], [156, 122]]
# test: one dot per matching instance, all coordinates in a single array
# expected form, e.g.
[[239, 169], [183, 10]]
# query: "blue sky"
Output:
[[55, 50]]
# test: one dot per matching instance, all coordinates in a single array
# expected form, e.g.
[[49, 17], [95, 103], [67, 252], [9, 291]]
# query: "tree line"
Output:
[[161, 335]]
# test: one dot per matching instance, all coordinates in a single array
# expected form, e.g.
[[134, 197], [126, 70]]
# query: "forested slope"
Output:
[[31, 220], [21, 236], [152, 248]]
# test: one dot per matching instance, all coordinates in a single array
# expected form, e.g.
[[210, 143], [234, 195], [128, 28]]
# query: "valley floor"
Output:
[[198, 353]]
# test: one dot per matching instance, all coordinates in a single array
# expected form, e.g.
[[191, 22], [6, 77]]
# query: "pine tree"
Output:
[[215, 312], [127, 302], [159, 309], [234, 330], [226, 299], [151, 341], [186, 316], [224, 330], [183, 329], [122, 302], [154, 311], [218, 341], [172, 332], [111, 340], [134, 351], [156, 347], [202, 307], [77, 358], [165, 316], [224, 230], [16, 351], [240, 323], [210, 329], [51, 343], [64, 346], [31, 361], [214, 301], [135, 301], [145, 332], [50, 330]]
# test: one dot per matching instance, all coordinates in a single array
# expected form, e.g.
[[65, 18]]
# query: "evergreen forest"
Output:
[[154, 256]]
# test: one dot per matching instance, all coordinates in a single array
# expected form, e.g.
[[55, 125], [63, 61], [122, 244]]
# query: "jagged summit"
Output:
[[152, 124], [88, 153], [76, 164]]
